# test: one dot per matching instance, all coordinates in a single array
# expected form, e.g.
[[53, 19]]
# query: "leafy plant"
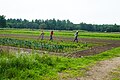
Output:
[[44, 45]]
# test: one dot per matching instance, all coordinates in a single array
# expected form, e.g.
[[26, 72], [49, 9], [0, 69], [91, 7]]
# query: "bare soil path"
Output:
[[94, 50], [101, 70]]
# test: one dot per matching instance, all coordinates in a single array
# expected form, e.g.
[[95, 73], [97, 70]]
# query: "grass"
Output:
[[82, 34], [47, 67]]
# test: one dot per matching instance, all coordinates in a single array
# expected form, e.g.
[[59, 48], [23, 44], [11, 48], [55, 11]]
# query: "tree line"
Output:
[[53, 24]]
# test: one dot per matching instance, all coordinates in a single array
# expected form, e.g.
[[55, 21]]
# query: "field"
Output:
[[24, 56], [83, 34]]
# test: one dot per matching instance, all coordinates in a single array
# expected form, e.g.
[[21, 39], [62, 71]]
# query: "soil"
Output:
[[94, 50], [109, 44], [101, 70]]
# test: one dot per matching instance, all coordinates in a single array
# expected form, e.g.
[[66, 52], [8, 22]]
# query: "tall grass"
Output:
[[47, 67]]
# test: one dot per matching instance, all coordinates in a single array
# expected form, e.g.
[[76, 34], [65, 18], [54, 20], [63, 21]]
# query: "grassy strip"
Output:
[[47, 67], [82, 34]]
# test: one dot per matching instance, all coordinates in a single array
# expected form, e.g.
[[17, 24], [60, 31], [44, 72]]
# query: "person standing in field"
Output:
[[76, 36], [51, 35], [41, 35]]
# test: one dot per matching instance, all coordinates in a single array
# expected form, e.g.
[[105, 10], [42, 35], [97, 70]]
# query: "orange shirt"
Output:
[[51, 33]]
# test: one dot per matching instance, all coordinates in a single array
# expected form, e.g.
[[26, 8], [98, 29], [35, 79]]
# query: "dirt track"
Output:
[[95, 50], [101, 70]]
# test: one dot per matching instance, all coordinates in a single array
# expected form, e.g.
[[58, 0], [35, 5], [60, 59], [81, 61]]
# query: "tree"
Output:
[[43, 26], [2, 21]]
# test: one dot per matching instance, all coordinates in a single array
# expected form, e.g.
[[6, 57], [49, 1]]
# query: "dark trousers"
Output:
[[76, 39], [51, 37]]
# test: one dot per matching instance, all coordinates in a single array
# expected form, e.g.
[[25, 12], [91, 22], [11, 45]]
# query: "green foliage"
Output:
[[46, 67], [53, 24], [2, 21], [45, 45], [24, 66], [61, 33]]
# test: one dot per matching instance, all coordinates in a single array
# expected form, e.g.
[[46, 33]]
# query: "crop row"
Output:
[[41, 45], [30, 44]]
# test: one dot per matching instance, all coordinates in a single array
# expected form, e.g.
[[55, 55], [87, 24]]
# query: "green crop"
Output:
[[44, 45]]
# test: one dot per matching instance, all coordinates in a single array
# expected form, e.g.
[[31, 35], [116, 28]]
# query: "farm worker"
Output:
[[51, 35], [76, 36], [42, 35]]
